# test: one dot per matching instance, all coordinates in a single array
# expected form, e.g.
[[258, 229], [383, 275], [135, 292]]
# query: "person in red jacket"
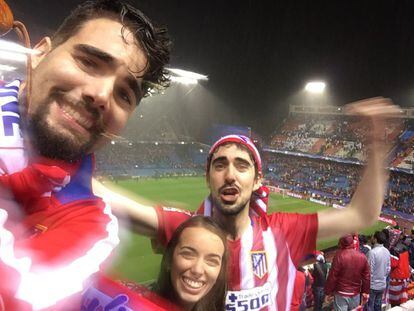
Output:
[[399, 276], [298, 290], [349, 276]]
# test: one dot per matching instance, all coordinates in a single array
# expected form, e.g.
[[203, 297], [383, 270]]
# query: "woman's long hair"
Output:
[[215, 299]]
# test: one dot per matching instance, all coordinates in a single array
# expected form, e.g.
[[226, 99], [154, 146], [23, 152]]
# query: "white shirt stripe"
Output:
[[271, 253], [246, 270]]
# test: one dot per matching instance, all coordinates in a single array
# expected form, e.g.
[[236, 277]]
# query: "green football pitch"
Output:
[[135, 259]]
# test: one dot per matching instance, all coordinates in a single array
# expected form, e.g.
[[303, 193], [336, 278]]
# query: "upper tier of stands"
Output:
[[151, 158]]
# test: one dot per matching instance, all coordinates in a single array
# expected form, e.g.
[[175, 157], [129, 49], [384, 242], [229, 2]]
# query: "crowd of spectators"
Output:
[[373, 271], [400, 195], [125, 157], [334, 182], [338, 136], [330, 181]]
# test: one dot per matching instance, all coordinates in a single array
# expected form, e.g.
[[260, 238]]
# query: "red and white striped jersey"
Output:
[[262, 263], [47, 255]]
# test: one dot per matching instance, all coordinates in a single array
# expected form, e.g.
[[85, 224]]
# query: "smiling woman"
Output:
[[193, 269]]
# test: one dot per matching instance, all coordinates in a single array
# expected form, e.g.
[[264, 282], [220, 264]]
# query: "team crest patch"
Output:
[[259, 263]]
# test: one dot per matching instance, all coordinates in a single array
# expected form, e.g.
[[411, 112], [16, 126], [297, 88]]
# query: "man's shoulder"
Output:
[[175, 210], [289, 219], [287, 215], [380, 250]]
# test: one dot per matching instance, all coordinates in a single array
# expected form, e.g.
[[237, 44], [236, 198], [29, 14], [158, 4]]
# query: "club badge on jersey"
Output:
[[259, 263]]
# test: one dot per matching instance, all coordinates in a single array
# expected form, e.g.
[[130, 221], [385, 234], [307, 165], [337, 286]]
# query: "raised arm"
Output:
[[365, 205], [142, 217]]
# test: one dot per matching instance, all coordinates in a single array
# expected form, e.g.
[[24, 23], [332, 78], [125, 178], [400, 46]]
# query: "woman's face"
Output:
[[196, 264]]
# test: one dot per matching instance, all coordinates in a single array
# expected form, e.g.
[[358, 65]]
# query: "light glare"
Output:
[[315, 87], [187, 74], [7, 68], [183, 80], [18, 57], [17, 48]]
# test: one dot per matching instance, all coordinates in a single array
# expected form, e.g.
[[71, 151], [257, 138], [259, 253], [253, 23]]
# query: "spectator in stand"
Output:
[[394, 236], [349, 276], [400, 275], [320, 272], [379, 263], [364, 247], [298, 295], [308, 296], [411, 249]]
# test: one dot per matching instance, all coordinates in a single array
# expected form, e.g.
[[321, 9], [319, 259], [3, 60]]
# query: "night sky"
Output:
[[259, 54]]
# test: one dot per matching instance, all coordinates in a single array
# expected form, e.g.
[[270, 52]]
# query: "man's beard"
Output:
[[226, 211], [52, 144]]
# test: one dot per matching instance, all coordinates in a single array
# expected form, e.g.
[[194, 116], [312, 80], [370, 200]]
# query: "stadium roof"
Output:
[[259, 54]]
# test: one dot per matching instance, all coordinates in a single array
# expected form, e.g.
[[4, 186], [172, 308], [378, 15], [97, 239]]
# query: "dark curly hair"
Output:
[[152, 39]]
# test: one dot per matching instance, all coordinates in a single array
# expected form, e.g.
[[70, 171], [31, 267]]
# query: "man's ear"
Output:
[[257, 182], [42, 49]]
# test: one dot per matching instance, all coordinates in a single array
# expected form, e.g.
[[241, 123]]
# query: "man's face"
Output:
[[84, 89], [231, 179]]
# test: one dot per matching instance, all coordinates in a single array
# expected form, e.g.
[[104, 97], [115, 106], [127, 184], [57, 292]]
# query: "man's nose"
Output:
[[230, 173], [98, 92]]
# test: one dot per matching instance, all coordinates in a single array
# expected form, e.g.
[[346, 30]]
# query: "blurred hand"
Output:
[[365, 298], [376, 111], [329, 299]]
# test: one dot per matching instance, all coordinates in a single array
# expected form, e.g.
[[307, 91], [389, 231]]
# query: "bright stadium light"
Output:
[[18, 57], [185, 77], [7, 68], [14, 52], [187, 74], [17, 48], [316, 87], [183, 80]]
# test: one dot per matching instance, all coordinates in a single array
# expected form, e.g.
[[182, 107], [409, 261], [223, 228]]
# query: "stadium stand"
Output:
[[319, 155], [145, 159]]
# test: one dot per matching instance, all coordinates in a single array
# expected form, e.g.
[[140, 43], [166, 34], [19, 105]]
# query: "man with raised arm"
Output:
[[265, 249]]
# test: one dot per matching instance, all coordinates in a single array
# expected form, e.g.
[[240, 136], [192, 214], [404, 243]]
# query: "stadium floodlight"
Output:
[[17, 48], [183, 80], [316, 87], [185, 77], [7, 68], [18, 57], [14, 52], [187, 74]]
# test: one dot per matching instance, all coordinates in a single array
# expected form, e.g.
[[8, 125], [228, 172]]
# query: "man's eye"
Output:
[[219, 166], [124, 96], [88, 62], [243, 166]]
